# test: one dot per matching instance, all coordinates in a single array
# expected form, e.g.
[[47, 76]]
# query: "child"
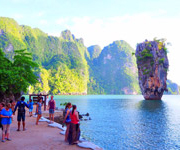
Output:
[[30, 107]]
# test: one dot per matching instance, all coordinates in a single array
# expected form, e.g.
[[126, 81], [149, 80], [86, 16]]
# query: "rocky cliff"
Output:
[[114, 71], [94, 51], [63, 66], [67, 66], [173, 88], [152, 65]]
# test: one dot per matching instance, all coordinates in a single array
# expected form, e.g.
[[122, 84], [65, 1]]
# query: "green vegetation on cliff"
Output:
[[173, 88], [62, 59], [17, 75], [94, 51], [67, 66], [114, 71]]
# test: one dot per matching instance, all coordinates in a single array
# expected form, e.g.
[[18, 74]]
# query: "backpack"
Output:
[[21, 108]]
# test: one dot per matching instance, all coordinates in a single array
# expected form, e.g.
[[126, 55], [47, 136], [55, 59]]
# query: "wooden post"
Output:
[[35, 99]]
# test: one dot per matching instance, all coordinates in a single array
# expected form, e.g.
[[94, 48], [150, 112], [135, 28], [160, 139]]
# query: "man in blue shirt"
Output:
[[21, 112]]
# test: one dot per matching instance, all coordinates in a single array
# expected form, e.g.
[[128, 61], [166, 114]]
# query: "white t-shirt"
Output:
[[47, 101]]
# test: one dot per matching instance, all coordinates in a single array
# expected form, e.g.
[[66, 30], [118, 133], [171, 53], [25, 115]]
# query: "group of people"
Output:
[[71, 120], [8, 110], [51, 107]]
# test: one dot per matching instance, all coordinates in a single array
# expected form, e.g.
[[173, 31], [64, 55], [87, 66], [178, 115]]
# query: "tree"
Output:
[[17, 75]]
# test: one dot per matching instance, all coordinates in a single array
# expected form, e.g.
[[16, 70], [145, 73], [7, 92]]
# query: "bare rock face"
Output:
[[152, 65]]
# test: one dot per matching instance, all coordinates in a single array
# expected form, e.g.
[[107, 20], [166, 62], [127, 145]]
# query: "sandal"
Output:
[[8, 139]]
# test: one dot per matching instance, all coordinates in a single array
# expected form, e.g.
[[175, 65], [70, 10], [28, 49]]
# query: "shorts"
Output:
[[30, 110], [39, 113], [51, 111], [21, 116]]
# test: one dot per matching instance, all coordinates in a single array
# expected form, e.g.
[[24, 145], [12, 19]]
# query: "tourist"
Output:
[[67, 120], [1, 107], [6, 115], [38, 110], [30, 107], [74, 130], [47, 101], [52, 106], [21, 112], [13, 104], [40, 96]]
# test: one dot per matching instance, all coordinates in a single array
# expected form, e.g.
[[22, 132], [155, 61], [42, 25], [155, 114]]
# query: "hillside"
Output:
[[173, 88], [94, 51], [68, 67], [62, 59], [114, 71]]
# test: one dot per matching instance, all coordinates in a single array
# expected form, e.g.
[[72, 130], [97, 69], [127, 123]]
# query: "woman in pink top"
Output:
[[74, 130]]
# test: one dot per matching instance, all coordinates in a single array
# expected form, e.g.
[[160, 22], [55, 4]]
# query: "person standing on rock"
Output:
[[52, 106], [21, 112]]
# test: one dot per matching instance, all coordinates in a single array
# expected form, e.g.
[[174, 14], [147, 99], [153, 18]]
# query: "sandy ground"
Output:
[[36, 137]]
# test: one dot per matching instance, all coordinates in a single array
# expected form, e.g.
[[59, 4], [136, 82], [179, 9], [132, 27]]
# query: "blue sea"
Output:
[[125, 122]]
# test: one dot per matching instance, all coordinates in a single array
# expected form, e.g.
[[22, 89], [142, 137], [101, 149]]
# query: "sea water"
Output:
[[125, 122]]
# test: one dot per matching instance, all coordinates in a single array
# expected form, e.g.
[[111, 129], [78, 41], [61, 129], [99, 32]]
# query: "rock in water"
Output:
[[152, 65]]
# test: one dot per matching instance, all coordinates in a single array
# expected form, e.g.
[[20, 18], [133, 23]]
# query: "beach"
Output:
[[36, 137]]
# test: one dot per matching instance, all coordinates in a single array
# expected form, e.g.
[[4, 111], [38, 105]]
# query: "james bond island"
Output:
[[153, 64]]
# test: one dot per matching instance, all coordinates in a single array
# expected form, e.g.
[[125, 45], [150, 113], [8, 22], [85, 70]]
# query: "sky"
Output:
[[100, 22]]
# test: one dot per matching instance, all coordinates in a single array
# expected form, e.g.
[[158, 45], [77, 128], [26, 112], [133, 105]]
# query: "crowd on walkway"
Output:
[[7, 110]]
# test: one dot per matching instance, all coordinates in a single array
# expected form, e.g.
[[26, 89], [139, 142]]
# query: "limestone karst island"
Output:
[[152, 65], [79, 74]]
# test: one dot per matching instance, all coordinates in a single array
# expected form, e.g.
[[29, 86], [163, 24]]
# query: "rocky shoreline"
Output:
[[58, 121]]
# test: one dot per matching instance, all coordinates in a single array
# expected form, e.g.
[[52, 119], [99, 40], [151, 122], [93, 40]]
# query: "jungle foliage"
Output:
[[16, 75]]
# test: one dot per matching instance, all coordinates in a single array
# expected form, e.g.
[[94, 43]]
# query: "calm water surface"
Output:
[[121, 122]]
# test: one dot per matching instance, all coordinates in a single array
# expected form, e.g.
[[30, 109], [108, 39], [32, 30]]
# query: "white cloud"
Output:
[[40, 14], [62, 21], [131, 28], [162, 12], [17, 16], [43, 22]]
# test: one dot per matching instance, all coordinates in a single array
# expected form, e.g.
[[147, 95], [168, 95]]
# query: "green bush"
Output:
[[161, 61]]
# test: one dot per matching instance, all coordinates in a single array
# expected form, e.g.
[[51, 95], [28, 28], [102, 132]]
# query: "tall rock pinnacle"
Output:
[[152, 65]]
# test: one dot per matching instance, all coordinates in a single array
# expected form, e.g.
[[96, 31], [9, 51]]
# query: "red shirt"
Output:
[[74, 119]]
